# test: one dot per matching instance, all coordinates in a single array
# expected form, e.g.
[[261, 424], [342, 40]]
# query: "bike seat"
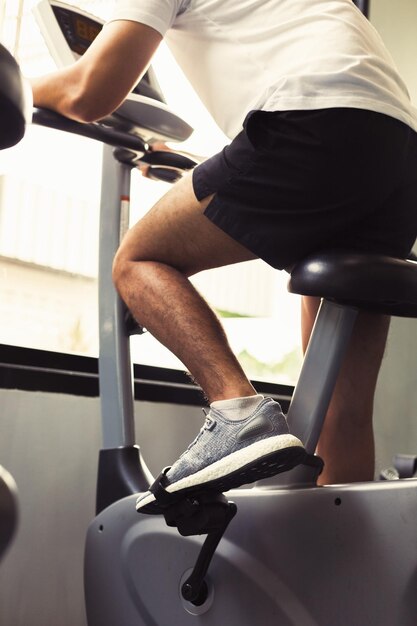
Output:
[[366, 281]]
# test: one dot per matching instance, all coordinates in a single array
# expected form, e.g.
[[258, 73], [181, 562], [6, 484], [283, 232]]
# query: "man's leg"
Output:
[[245, 437], [173, 241], [347, 443]]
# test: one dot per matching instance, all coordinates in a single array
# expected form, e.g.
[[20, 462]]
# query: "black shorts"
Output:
[[293, 183]]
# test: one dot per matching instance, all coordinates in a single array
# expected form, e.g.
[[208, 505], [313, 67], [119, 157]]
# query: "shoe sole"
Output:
[[262, 459]]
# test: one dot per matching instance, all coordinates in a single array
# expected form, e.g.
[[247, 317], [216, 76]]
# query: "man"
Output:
[[323, 155]]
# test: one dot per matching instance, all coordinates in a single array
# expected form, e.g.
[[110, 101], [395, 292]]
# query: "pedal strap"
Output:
[[162, 496]]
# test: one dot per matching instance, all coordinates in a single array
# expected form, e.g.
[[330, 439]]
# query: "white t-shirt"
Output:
[[273, 55]]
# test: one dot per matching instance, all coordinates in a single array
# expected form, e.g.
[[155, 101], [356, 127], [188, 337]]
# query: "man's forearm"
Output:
[[98, 82], [57, 91]]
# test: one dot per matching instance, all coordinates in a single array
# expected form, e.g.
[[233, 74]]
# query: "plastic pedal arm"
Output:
[[195, 589], [203, 512]]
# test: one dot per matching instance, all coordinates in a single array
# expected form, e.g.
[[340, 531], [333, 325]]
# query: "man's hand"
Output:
[[159, 146], [96, 84]]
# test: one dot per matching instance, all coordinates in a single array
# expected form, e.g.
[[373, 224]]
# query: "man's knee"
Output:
[[127, 259], [120, 270]]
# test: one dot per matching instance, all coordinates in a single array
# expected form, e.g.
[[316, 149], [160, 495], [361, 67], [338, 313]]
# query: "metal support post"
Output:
[[115, 366], [326, 349]]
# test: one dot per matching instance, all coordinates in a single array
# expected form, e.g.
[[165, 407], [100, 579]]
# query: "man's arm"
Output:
[[102, 78]]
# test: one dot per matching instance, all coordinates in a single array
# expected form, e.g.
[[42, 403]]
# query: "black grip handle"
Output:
[[164, 158], [93, 130]]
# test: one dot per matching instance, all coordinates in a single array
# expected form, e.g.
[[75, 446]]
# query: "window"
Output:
[[49, 205]]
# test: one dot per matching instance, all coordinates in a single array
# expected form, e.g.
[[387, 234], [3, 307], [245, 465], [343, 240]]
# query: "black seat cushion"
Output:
[[366, 281]]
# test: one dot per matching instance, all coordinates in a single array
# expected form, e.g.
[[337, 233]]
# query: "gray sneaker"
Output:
[[227, 454]]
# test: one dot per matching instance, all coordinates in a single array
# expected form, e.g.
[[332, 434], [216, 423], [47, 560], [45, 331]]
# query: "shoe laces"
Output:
[[209, 424]]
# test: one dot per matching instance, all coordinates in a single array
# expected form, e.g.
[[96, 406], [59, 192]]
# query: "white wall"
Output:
[[49, 443], [396, 398], [396, 21]]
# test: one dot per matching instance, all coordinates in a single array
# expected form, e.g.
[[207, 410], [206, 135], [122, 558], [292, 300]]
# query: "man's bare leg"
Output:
[[347, 442], [151, 269]]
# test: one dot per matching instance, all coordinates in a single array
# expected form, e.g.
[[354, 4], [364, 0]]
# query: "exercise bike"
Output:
[[283, 552]]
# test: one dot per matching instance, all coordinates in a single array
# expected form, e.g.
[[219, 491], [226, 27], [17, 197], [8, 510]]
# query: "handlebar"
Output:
[[131, 149], [93, 130]]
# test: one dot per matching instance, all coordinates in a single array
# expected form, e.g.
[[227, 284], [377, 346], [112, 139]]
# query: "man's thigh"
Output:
[[176, 232]]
